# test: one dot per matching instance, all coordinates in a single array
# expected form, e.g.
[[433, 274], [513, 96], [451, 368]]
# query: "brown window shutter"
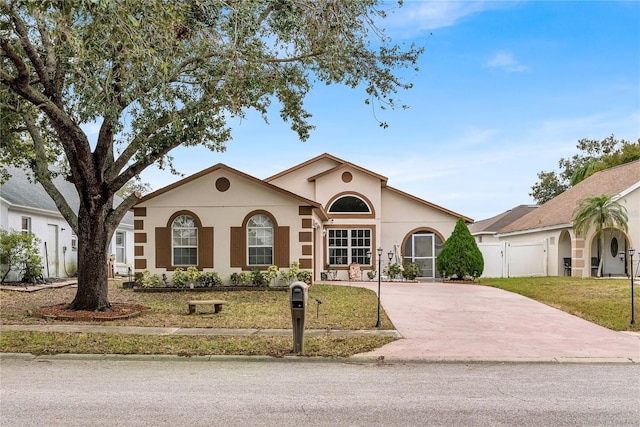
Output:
[[237, 247], [305, 263], [282, 247], [205, 247], [163, 247]]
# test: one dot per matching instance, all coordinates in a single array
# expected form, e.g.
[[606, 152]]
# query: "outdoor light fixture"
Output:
[[390, 255], [379, 257], [622, 254]]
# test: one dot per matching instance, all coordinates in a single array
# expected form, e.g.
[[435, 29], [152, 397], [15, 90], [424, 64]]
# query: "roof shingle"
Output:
[[559, 210]]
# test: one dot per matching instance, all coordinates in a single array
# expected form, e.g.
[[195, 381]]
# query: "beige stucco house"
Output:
[[326, 214], [543, 242]]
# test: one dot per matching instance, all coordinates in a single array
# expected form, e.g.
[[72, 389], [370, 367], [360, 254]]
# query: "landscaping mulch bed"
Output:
[[211, 289], [117, 311]]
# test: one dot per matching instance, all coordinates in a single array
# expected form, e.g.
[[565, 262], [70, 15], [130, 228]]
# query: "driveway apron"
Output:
[[459, 321]]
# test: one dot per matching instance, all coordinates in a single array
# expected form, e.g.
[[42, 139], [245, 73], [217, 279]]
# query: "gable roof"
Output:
[[303, 164], [346, 165], [494, 224], [221, 166], [429, 204], [343, 164], [558, 212]]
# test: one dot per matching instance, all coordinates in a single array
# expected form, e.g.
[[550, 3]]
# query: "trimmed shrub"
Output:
[[411, 270], [460, 257]]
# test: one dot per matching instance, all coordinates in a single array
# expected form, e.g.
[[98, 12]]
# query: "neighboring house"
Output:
[[495, 252], [326, 214], [543, 242], [486, 230], [26, 206]]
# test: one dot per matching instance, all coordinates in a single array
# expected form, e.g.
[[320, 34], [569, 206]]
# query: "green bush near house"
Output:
[[19, 253], [460, 257], [411, 270]]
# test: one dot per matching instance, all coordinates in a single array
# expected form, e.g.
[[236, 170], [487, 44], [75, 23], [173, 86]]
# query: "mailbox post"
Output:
[[298, 296]]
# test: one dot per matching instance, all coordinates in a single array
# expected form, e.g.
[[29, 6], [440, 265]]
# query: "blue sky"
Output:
[[505, 89]]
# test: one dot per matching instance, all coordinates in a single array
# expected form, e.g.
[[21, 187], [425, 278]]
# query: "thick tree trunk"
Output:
[[94, 237]]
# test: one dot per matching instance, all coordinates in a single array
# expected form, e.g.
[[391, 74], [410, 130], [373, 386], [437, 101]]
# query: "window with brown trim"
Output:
[[260, 240], [255, 244], [184, 241], [171, 243], [349, 204], [348, 246]]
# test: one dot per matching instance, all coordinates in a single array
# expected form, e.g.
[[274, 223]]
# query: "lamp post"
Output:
[[631, 253], [379, 258]]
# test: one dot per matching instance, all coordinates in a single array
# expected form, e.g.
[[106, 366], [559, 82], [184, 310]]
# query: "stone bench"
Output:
[[217, 305]]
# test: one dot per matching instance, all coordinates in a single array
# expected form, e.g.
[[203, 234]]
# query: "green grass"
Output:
[[97, 343], [342, 308], [606, 302]]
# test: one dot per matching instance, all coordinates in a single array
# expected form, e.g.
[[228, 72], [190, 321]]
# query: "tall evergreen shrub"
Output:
[[460, 256]]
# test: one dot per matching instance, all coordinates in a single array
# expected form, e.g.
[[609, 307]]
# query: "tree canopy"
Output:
[[595, 155], [158, 74]]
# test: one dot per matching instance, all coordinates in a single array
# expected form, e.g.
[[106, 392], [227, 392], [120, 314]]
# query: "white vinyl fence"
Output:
[[504, 259]]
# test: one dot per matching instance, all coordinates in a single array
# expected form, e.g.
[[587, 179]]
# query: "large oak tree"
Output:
[[157, 74]]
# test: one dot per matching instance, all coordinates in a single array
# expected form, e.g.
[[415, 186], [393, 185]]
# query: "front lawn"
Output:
[[606, 302], [342, 307]]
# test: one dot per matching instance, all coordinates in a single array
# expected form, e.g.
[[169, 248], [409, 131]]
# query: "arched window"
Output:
[[184, 241], [349, 204], [260, 240]]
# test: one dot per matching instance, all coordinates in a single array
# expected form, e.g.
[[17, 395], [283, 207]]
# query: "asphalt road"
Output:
[[254, 392]]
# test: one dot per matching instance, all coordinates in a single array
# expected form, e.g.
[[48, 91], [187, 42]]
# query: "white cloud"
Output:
[[418, 16], [507, 62]]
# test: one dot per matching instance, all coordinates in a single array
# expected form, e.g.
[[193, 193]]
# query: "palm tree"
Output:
[[603, 212]]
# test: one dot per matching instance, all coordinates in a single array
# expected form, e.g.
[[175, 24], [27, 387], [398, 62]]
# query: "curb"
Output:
[[356, 359], [158, 331]]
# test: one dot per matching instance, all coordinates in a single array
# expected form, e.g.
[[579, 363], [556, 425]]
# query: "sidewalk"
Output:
[[142, 330]]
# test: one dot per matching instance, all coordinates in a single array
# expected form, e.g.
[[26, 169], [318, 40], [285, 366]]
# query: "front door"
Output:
[[613, 244], [421, 248], [52, 251]]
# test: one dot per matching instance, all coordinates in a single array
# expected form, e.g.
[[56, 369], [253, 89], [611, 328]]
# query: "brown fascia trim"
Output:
[[214, 168], [301, 165], [432, 205], [347, 165], [181, 182]]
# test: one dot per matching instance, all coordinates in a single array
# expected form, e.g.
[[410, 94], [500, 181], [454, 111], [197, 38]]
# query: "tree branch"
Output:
[[116, 215], [40, 168], [32, 54]]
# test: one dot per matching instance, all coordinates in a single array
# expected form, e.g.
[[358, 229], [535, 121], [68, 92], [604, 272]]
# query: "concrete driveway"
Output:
[[467, 322]]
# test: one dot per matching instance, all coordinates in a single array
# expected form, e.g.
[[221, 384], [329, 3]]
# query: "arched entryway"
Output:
[[564, 254], [423, 247], [615, 241]]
